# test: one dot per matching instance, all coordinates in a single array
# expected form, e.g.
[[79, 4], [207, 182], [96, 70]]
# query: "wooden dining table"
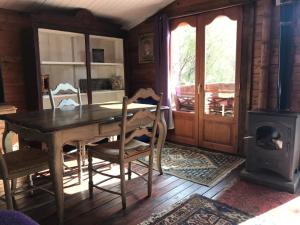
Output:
[[57, 127]]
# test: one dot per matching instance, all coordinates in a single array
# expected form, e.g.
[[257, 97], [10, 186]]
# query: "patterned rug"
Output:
[[198, 210], [200, 166], [255, 199]]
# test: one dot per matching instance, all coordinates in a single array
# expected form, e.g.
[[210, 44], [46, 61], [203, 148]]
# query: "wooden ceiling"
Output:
[[128, 13]]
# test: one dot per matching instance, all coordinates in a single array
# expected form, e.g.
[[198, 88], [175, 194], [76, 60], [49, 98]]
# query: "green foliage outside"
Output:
[[220, 55]]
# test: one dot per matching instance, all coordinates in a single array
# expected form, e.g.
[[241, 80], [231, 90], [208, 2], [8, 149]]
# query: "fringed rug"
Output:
[[200, 166], [198, 210]]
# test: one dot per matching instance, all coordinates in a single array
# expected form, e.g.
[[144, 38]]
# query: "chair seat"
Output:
[[23, 162], [110, 151]]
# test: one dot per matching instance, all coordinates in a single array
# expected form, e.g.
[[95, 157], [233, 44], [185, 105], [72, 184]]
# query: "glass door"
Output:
[[183, 78], [218, 88]]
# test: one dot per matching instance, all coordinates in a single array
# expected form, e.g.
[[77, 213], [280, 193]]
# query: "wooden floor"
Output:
[[105, 208]]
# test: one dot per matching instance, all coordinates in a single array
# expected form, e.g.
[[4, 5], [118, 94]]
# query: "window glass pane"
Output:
[[183, 54], [220, 66]]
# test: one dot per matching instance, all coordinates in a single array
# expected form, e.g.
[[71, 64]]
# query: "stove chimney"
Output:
[[285, 54]]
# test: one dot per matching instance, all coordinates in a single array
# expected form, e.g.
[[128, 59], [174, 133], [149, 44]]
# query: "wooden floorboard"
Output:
[[106, 208]]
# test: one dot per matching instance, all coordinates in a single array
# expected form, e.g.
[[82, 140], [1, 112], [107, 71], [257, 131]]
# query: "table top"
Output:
[[53, 120]]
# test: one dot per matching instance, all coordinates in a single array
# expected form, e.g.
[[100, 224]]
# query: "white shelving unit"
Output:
[[62, 58]]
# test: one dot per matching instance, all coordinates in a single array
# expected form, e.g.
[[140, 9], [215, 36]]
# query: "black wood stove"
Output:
[[272, 142], [273, 149]]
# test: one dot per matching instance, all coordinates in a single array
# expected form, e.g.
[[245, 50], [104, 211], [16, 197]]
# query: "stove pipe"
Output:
[[285, 55]]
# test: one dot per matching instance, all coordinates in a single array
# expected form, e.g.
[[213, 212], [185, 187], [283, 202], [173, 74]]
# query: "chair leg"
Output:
[[150, 171], [8, 194], [83, 154], [123, 188], [90, 167], [30, 181], [13, 187], [129, 171], [79, 167], [63, 162]]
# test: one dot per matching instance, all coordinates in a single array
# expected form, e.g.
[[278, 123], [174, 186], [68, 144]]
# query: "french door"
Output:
[[205, 78]]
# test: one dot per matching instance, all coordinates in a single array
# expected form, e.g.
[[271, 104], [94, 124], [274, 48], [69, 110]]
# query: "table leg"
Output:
[[56, 171], [162, 128]]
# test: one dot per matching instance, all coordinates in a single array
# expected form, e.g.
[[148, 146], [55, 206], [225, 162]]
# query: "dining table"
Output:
[[56, 127]]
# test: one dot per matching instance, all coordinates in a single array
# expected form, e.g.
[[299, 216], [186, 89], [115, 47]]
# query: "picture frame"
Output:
[[146, 48], [98, 55]]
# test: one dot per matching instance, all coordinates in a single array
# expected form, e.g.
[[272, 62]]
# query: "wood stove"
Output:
[[273, 146], [272, 139]]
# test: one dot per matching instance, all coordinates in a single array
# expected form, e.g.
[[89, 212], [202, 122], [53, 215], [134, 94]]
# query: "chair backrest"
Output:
[[64, 88], [137, 125]]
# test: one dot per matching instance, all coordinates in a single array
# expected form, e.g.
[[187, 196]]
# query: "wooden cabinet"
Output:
[[78, 49]]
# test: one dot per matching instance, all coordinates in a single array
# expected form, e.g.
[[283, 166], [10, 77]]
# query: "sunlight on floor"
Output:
[[71, 185], [287, 214]]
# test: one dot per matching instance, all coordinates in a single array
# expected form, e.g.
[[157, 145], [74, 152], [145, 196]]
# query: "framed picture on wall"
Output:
[[146, 53]]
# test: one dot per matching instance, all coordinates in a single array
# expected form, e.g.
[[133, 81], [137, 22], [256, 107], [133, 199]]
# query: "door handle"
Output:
[[199, 88]]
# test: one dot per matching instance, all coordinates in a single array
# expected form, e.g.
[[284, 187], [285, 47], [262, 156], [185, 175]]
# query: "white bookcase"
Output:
[[63, 60]]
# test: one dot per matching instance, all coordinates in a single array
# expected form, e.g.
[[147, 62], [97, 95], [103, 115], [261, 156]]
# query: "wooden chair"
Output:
[[68, 103], [128, 149], [20, 163]]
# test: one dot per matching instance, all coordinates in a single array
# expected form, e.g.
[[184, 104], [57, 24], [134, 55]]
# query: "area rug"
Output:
[[255, 199], [198, 210], [197, 165]]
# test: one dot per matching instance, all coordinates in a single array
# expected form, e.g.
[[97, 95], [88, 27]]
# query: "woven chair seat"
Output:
[[23, 162], [110, 151]]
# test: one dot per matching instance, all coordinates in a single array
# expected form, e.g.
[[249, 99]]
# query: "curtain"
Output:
[[161, 51]]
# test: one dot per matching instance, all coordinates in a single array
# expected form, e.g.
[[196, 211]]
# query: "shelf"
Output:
[[62, 63], [106, 64]]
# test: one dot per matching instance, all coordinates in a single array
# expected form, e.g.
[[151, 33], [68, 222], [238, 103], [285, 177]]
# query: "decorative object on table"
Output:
[[117, 82], [146, 53], [45, 83], [197, 165], [198, 210], [98, 55], [253, 198]]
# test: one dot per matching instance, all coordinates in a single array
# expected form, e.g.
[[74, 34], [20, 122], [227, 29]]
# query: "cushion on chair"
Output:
[[23, 162], [10, 217], [110, 151]]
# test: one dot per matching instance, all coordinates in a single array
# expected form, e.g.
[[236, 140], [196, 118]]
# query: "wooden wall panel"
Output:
[[139, 75], [12, 26]]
